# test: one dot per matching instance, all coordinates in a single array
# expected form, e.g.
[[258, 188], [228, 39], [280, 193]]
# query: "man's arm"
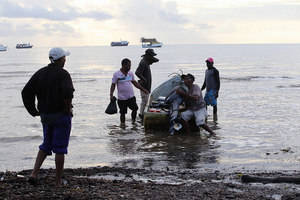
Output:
[[137, 85], [204, 83], [112, 89], [186, 95], [217, 79], [28, 97], [139, 72]]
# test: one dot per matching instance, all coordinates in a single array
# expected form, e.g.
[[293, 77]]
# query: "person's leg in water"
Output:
[[200, 116], [144, 101], [123, 110], [122, 118], [134, 107], [186, 127], [215, 114], [185, 117], [205, 127]]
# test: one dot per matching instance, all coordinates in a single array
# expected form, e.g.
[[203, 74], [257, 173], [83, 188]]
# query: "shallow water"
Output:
[[258, 110]]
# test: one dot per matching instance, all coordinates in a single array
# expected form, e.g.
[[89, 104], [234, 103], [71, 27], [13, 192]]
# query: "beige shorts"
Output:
[[200, 115]]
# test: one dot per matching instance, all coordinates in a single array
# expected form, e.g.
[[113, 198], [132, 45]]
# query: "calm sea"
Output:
[[259, 109]]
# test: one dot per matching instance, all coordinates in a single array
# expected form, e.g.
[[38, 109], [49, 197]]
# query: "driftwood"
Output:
[[282, 179]]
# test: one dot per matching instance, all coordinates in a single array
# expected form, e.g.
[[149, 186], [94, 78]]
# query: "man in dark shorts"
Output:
[[212, 85], [124, 79], [52, 86]]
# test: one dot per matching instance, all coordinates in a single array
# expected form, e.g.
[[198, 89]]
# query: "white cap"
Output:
[[56, 53]]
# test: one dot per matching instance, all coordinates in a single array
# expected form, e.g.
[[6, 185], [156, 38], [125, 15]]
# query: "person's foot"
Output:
[[122, 125]]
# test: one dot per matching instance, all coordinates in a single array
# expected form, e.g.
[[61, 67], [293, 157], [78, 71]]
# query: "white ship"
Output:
[[24, 46], [150, 43], [3, 48]]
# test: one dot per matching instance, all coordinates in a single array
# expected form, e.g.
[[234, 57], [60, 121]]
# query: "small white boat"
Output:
[[24, 46], [150, 43], [3, 48], [120, 43]]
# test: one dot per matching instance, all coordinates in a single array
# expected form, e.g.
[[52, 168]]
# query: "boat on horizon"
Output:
[[3, 48], [119, 43], [24, 46], [150, 43]]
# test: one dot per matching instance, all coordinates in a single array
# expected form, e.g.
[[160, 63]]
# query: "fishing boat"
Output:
[[119, 43], [24, 46], [3, 48], [150, 43]]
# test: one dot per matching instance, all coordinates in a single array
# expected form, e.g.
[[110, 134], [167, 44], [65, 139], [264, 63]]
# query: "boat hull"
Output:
[[3, 48], [29, 47]]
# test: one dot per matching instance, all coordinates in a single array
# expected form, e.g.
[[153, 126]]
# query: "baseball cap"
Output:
[[211, 60], [57, 52]]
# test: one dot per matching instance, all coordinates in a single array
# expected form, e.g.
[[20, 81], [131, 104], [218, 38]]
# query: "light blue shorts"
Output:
[[210, 98]]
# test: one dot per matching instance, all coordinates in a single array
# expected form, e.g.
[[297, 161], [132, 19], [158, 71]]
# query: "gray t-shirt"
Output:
[[195, 104], [210, 80]]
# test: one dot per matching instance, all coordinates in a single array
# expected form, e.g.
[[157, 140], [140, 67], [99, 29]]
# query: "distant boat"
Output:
[[120, 43], [24, 46], [3, 48], [150, 43]]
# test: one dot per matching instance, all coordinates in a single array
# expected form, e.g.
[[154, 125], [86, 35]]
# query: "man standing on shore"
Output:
[[143, 72], [124, 79], [212, 85], [52, 86]]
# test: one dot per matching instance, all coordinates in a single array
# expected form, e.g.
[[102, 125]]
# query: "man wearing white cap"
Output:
[[52, 86]]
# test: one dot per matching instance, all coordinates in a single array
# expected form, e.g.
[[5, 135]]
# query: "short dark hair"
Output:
[[125, 61], [189, 76]]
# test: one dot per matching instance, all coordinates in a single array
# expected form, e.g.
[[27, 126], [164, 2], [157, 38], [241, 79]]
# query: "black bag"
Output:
[[112, 107]]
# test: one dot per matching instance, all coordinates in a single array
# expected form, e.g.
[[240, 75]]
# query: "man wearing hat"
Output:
[[143, 72], [212, 85], [52, 86]]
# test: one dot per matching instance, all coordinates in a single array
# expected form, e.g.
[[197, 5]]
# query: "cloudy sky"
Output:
[[98, 22]]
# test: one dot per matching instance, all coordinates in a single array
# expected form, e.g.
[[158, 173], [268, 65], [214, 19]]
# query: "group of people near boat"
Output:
[[53, 87], [196, 105]]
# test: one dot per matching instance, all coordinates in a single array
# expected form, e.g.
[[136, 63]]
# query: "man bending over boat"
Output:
[[195, 105], [124, 79]]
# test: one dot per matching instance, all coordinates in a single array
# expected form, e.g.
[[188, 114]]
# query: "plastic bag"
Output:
[[112, 107]]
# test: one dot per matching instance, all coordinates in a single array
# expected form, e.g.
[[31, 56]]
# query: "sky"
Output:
[[98, 22]]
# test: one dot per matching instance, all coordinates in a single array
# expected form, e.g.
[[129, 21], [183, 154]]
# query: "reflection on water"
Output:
[[160, 150]]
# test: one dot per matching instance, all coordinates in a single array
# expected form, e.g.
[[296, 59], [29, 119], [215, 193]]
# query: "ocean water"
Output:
[[258, 107]]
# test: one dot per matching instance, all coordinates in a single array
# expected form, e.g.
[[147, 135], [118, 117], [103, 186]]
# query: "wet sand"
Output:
[[125, 183]]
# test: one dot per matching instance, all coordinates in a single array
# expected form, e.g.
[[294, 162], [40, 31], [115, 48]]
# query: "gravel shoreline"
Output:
[[125, 183]]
